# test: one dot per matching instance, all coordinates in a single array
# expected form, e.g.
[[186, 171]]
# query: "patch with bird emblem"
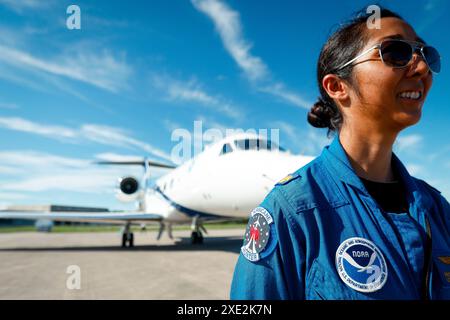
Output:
[[260, 238], [361, 265]]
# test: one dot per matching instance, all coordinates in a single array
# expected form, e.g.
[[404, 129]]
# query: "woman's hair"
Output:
[[342, 46]]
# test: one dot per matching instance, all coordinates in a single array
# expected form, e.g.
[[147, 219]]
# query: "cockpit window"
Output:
[[257, 144], [246, 144], [226, 149]]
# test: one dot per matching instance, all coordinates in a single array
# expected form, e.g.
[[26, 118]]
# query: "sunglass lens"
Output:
[[433, 58], [396, 53]]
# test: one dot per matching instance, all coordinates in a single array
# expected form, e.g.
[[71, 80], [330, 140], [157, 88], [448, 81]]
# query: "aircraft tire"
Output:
[[131, 240], [124, 240]]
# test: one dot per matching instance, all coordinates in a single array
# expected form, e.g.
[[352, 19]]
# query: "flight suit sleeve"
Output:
[[275, 275], [445, 208], [443, 205]]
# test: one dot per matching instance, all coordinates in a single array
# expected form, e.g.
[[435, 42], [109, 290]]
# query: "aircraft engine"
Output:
[[129, 189], [129, 185]]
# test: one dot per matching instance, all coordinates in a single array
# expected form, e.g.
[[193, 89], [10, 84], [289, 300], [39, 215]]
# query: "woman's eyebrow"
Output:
[[419, 39], [399, 36], [392, 36]]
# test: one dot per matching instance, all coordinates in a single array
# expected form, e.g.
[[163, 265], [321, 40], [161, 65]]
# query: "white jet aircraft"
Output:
[[224, 182]]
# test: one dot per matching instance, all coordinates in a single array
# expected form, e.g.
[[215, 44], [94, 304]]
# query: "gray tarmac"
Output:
[[38, 265]]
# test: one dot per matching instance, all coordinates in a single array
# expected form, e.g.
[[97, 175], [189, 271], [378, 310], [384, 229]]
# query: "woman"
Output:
[[353, 224]]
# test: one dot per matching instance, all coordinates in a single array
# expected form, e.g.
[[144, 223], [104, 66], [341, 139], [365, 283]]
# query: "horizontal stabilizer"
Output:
[[142, 162]]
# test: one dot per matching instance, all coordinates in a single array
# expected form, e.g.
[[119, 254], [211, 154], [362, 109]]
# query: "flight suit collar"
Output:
[[337, 159]]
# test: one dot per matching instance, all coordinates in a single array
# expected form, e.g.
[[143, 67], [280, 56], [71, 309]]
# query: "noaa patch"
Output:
[[259, 238], [361, 265]]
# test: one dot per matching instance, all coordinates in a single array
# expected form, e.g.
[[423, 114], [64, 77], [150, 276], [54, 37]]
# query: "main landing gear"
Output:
[[197, 228], [162, 227], [127, 236]]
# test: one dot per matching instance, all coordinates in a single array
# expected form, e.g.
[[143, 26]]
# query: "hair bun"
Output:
[[320, 114]]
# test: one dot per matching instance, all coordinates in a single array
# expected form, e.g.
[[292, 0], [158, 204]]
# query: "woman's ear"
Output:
[[336, 88]]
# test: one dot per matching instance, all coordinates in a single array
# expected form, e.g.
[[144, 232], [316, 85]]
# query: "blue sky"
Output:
[[137, 70]]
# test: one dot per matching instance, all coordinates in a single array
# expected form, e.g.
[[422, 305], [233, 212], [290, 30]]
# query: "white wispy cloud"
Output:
[[38, 161], [415, 169], [279, 90], [12, 75], [11, 36], [106, 135], [309, 142], [286, 129], [209, 123], [20, 124], [103, 70], [11, 196], [432, 11], [44, 172], [171, 125], [228, 25], [193, 92], [8, 170], [94, 180], [20, 6], [409, 143], [7, 105], [118, 137]]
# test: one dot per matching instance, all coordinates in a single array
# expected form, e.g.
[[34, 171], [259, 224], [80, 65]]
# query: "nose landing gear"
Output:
[[197, 228], [196, 237]]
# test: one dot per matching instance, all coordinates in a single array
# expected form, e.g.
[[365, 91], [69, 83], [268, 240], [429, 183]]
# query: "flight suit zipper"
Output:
[[427, 265]]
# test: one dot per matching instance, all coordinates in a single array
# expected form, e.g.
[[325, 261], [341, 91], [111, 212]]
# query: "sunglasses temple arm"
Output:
[[358, 56]]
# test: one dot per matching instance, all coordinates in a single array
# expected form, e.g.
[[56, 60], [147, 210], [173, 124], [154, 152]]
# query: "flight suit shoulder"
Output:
[[427, 186], [267, 223], [436, 197], [287, 179], [301, 188]]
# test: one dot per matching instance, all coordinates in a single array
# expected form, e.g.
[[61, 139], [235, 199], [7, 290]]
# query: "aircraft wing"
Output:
[[118, 217]]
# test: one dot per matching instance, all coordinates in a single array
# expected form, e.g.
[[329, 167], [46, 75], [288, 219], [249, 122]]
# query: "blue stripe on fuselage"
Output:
[[189, 212]]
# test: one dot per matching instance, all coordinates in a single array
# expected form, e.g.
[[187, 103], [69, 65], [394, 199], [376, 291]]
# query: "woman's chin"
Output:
[[409, 112], [410, 106], [408, 119]]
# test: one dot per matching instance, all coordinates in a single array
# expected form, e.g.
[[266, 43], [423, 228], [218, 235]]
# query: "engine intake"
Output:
[[129, 185]]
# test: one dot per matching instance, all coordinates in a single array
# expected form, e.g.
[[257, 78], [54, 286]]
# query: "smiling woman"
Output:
[[353, 223]]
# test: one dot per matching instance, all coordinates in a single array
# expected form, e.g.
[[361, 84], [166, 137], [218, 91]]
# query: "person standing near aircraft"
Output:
[[353, 223]]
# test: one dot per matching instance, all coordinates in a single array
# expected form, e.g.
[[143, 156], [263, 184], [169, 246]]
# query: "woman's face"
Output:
[[380, 85]]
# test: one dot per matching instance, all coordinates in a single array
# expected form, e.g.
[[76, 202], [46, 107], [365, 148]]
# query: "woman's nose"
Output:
[[418, 65]]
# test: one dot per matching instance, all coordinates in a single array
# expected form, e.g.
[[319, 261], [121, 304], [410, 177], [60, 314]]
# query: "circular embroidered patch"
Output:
[[257, 235], [361, 265]]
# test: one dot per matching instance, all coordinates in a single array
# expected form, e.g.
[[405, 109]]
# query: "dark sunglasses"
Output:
[[398, 53]]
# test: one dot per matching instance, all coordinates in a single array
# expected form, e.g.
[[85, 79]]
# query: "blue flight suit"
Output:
[[327, 227]]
